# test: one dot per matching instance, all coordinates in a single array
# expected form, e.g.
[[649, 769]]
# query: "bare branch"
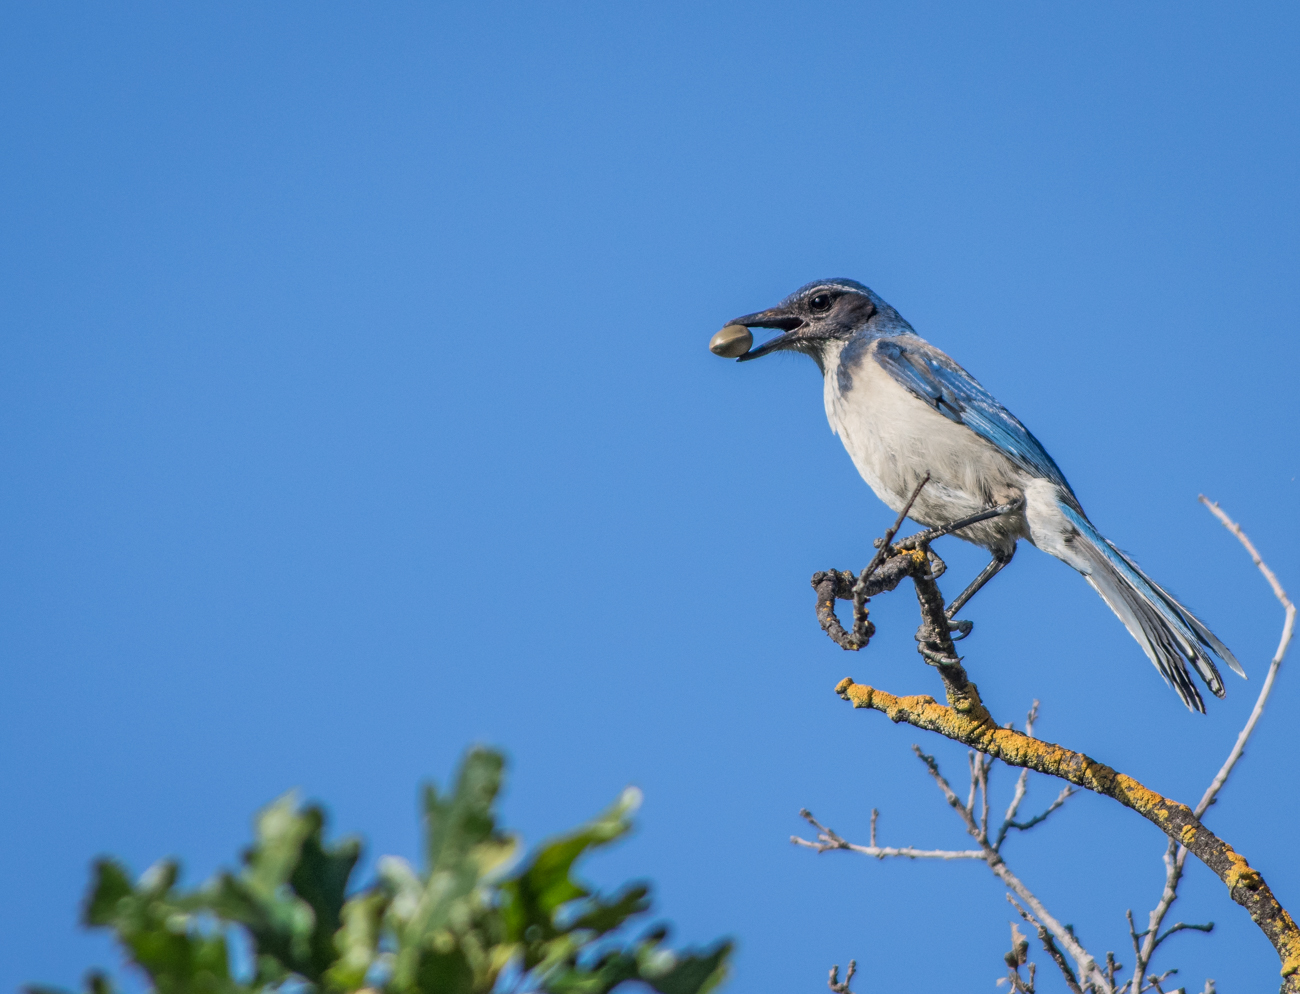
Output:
[[1157, 981], [1175, 854], [1112, 968], [1044, 936], [885, 547], [828, 839], [1022, 782], [983, 770], [1087, 965], [834, 584], [922, 539], [967, 815], [1015, 959], [834, 982], [1066, 793], [885, 852], [1288, 627], [968, 721], [1180, 926], [969, 724], [974, 781]]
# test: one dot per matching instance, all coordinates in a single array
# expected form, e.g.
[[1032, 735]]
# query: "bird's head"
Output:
[[814, 316]]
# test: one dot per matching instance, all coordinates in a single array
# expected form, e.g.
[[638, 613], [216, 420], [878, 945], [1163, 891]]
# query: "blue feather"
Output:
[[1167, 631], [958, 396], [895, 443]]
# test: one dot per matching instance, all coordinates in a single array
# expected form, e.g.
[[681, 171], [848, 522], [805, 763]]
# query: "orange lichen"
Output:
[[1240, 873], [1287, 941], [1291, 964], [967, 721]]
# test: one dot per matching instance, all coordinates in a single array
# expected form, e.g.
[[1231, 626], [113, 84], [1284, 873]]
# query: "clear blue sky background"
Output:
[[356, 407]]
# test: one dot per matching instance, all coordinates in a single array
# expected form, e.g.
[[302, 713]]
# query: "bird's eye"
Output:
[[820, 304]]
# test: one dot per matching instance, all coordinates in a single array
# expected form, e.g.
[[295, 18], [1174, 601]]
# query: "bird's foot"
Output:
[[937, 658], [931, 642]]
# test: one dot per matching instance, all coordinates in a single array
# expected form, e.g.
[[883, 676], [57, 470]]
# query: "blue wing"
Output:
[[954, 393]]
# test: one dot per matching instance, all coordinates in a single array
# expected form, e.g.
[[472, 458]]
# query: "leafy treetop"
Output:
[[473, 921]]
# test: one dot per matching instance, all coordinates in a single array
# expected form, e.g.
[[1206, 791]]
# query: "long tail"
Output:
[[1169, 633]]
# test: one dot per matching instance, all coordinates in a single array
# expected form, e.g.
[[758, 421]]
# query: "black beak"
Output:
[[774, 317]]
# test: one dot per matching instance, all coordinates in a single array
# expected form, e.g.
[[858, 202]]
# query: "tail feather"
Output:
[[1194, 623], [1169, 633]]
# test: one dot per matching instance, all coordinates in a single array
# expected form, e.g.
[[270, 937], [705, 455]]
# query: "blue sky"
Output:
[[357, 407]]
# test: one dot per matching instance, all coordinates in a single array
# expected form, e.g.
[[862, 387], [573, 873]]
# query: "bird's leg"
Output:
[[998, 562]]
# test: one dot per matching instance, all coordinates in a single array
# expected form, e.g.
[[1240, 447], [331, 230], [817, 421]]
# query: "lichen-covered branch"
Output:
[[971, 725], [965, 719]]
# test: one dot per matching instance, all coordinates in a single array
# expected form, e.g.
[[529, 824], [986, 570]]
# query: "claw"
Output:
[[958, 630], [938, 658], [927, 637]]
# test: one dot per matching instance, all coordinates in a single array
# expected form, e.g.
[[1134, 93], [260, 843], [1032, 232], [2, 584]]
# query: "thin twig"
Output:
[[1066, 793], [885, 852], [971, 726], [924, 538], [1045, 936], [1288, 627], [1135, 937], [974, 782], [1022, 782], [1207, 927], [982, 765], [1087, 965], [1112, 968], [1015, 959], [862, 627], [828, 839], [1175, 857], [967, 720], [1157, 981], [834, 982], [885, 542]]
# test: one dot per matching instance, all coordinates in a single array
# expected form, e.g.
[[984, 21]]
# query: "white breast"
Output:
[[894, 438]]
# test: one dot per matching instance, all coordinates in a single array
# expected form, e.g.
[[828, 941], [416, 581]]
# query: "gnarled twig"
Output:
[[966, 720]]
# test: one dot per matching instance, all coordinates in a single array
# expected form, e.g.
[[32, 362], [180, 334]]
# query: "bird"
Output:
[[906, 411]]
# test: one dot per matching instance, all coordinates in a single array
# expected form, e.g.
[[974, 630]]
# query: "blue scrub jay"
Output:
[[904, 409]]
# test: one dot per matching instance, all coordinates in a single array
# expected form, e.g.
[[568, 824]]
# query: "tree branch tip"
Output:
[[966, 720]]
